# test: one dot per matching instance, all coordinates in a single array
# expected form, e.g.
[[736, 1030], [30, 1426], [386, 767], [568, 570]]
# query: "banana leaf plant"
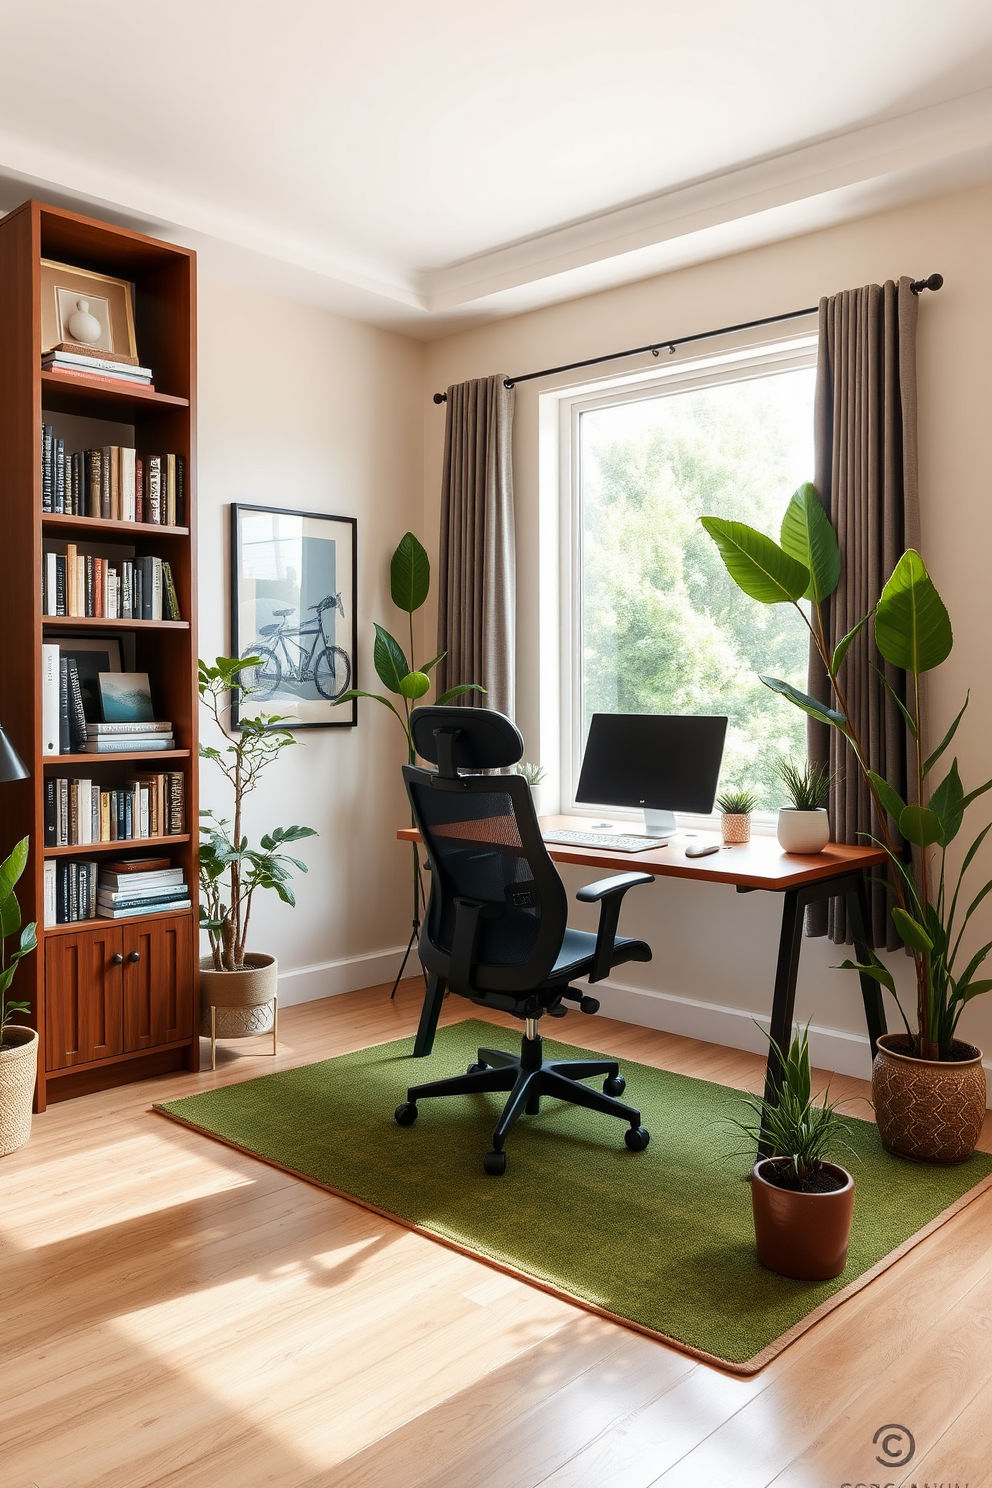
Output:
[[230, 869], [911, 630], [409, 586], [10, 925]]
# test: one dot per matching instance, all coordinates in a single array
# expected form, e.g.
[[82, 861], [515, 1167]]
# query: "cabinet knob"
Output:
[[117, 960], [134, 955]]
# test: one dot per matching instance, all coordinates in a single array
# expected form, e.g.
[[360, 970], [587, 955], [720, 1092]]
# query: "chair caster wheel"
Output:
[[475, 1068], [614, 1085], [636, 1138], [495, 1164], [589, 1005], [406, 1114]]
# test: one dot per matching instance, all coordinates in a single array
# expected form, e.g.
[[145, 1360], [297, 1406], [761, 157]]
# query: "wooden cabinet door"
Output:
[[83, 997], [158, 982]]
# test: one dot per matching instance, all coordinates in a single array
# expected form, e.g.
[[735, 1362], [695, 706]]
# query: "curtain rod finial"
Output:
[[440, 397], [933, 282]]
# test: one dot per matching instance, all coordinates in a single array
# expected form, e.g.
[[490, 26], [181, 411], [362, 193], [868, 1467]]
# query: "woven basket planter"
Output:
[[243, 999], [18, 1068], [929, 1110], [735, 828]]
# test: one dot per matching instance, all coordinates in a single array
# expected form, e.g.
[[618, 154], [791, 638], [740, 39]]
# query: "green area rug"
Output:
[[661, 1240]]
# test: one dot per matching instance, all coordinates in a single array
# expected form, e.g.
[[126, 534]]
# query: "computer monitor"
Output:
[[659, 761]]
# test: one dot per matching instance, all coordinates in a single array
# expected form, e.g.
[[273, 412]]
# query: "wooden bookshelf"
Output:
[[113, 1000]]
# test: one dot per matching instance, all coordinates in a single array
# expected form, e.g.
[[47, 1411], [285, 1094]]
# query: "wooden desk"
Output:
[[756, 865]]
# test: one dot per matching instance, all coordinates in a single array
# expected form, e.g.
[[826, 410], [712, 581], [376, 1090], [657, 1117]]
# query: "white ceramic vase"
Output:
[[803, 831]]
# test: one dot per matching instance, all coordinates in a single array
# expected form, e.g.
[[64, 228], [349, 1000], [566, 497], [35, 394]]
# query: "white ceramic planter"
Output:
[[803, 831]]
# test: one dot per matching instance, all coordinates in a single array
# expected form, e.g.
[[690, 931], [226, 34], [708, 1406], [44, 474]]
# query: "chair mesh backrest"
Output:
[[485, 844]]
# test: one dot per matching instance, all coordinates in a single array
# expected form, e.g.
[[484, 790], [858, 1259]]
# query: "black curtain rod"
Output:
[[934, 282]]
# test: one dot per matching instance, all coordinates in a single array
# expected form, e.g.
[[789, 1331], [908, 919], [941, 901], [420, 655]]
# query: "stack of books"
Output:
[[75, 583], [128, 723], [70, 892], [79, 812], [113, 482], [74, 360], [140, 886]]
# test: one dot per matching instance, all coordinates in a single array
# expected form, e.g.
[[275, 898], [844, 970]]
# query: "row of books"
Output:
[[86, 890], [75, 583], [66, 726], [87, 361], [114, 482], [79, 812]]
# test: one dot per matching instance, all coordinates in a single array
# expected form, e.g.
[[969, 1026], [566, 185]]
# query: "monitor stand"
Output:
[[659, 823]]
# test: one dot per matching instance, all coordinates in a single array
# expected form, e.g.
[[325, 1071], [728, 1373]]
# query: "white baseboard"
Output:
[[329, 978], [830, 1048]]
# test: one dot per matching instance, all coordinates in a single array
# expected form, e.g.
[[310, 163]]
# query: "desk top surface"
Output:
[[758, 864]]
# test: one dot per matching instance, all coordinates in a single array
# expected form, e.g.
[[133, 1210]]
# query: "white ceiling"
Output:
[[427, 163]]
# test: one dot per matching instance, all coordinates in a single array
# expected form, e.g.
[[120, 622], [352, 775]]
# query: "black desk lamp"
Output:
[[11, 765]]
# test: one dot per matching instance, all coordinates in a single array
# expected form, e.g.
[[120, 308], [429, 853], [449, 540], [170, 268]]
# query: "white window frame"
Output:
[[561, 532]]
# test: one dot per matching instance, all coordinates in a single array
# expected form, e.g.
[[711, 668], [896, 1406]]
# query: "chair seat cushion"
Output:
[[579, 947]]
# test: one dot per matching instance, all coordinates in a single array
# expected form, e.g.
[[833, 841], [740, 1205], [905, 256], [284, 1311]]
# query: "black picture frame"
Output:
[[280, 557]]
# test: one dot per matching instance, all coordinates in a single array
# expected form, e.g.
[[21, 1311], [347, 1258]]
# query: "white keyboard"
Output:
[[613, 841]]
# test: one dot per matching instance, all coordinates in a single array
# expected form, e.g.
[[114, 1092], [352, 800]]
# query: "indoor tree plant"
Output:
[[803, 826], [803, 1204], [735, 805], [18, 1044], [240, 984], [928, 1086], [409, 586]]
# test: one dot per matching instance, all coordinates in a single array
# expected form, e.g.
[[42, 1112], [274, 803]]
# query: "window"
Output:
[[655, 623]]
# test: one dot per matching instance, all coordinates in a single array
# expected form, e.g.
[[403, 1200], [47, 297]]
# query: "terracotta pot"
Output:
[[18, 1070], [802, 831], [801, 1235], [243, 999], [735, 828], [929, 1110]]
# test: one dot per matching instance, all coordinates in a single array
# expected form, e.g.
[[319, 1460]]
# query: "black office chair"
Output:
[[496, 930]]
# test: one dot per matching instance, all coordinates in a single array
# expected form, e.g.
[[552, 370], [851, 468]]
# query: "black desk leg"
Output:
[[784, 998], [859, 917], [433, 998]]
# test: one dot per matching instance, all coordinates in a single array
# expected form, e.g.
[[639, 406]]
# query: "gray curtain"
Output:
[[866, 474], [477, 587]]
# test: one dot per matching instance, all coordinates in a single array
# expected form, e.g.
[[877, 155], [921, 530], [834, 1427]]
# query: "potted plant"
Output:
[[18, 1044], [533, 774], [736, 806], [237, 984], [803, 826], [803, 1204], [928, 1086]]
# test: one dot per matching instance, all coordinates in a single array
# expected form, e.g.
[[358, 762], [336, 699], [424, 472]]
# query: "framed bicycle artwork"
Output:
[[293, 594]]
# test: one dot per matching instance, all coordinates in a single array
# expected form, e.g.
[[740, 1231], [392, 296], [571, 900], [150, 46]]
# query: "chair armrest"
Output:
[[609, 892]]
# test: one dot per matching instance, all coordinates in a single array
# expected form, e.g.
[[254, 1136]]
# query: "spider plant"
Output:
[[736, 801], [806, 783]]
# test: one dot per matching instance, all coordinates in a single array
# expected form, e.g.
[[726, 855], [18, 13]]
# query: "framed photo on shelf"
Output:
[[92, 655], [87, 309], [293, 600]]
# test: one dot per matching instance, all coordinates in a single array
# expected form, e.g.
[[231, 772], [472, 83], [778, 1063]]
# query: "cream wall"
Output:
[[303, 409], [714, 950]]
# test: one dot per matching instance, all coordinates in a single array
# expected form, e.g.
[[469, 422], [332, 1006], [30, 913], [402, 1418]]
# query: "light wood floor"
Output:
[[174, 1313]]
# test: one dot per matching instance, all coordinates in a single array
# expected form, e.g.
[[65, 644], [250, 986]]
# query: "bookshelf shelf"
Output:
[[97, 397], [56, 522], [122, 845], [100, 622], [100, 1022]]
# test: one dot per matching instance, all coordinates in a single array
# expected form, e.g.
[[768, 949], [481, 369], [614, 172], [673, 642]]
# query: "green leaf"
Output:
[[912, 627], [876, 971], [430, 665], [932, 760], [459, 691], [809, 705], [757, 564], [809, 538], [919, 825], [890, 799], [843, 645], [409, 574], [390, 663], [911, 930], [414, 685], [946, 804], [964, 994]]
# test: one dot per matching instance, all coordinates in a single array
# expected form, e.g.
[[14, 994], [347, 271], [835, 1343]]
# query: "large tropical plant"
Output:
[[231, 870], [912, 631], [10, 926]]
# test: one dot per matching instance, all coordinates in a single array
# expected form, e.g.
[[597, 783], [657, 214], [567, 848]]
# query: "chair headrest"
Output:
[[480, 739]]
